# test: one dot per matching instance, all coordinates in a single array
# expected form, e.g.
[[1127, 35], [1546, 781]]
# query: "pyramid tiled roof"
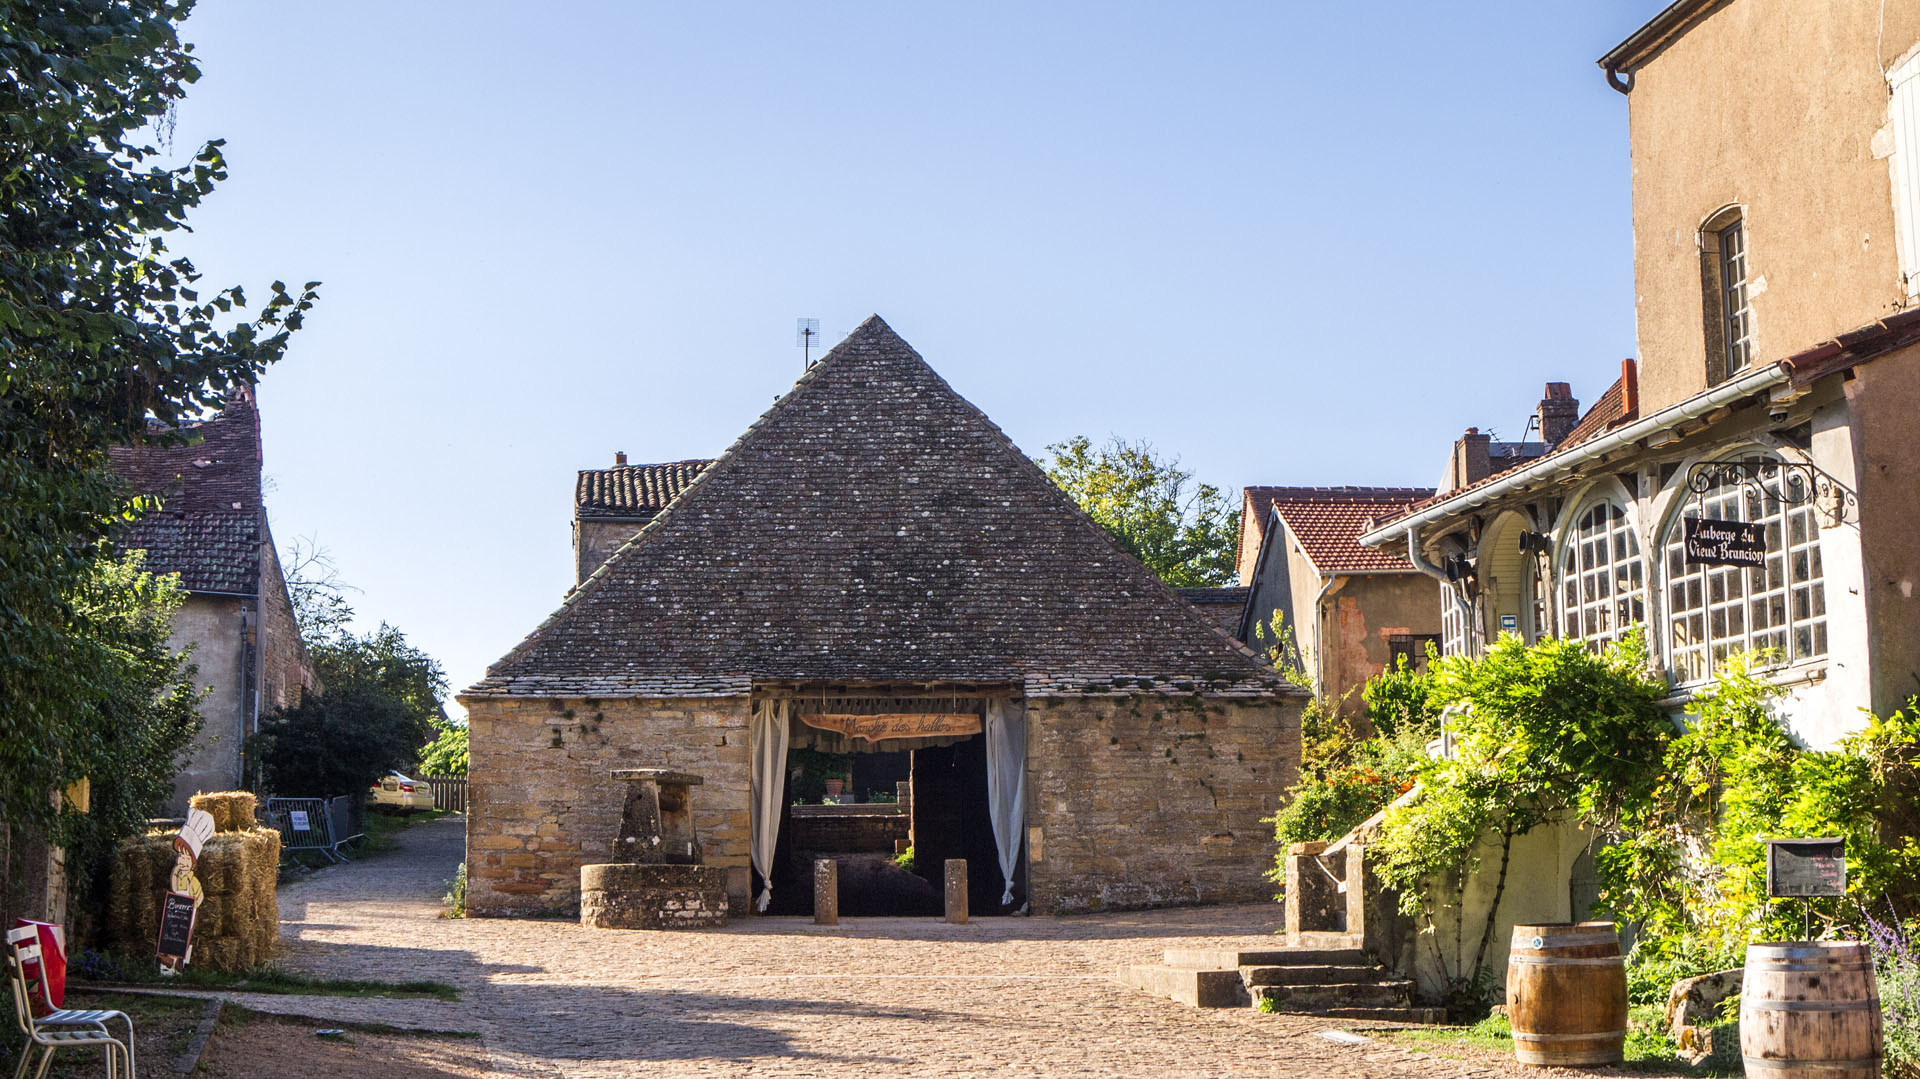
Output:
[[632, 491], [1327, 523], [873, 526]]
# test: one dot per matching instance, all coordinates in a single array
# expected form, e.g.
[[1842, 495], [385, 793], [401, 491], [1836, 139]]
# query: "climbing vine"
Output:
[[1689, 865]]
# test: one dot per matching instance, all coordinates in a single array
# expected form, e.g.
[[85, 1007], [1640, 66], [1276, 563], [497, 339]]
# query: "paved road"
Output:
[[780, 997]]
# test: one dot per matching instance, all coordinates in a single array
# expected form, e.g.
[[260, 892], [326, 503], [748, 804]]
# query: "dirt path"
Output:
[[778, 996]]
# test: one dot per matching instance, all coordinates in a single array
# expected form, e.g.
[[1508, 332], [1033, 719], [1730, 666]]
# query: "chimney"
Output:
[[1629, 389], [619, 458], [1558, 412], [1472, 459]]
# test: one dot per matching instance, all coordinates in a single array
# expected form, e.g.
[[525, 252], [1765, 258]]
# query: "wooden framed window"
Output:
[[1603, 578], [1736, 317], [1713, 611], [1726, 294]]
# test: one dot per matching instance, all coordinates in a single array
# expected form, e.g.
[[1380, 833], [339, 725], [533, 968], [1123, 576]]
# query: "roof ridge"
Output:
[[594, 580], [875, 377]]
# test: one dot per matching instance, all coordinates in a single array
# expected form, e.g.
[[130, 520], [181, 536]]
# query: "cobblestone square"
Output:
[[778, 996]]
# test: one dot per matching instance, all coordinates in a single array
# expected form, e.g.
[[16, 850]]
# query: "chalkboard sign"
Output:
[[1799, 868], [176, 925], [1724, 543]]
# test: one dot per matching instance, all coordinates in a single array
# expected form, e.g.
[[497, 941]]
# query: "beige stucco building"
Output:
[[1773, 387]]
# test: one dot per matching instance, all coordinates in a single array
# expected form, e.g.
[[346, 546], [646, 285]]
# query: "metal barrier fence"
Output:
[[449, 792], [322, 824], [305, 824]]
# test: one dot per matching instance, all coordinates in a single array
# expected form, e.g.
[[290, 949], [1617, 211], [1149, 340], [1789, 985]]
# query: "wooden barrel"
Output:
[[1567, 994], [1810, 1009]]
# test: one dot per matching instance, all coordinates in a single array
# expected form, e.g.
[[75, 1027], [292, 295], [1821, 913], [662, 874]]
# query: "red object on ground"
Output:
[[47, 975]]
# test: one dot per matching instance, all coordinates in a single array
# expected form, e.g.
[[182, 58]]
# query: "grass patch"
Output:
[[97, 968], [1648, 1049]]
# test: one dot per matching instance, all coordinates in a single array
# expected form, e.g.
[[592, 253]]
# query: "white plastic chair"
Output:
[[66, 1028]]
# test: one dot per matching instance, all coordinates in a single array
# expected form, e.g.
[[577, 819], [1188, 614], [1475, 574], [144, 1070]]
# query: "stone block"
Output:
[[1695, 1001]]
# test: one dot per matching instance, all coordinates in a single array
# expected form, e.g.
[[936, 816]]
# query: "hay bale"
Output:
[[232, 811], [238, 922]]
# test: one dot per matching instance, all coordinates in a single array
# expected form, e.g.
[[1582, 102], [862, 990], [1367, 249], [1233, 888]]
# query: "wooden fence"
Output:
[[449, 792]]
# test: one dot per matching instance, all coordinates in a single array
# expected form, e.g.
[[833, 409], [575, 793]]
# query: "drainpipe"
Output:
[[1320, 619]]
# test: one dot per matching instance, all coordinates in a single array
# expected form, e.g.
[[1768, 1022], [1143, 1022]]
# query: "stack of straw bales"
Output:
[[238, 921]]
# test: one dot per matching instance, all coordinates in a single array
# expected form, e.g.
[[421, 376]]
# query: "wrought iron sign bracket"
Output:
[[1794, 483]]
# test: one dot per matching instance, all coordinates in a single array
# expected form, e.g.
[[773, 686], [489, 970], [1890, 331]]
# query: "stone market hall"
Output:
[[874, 567]]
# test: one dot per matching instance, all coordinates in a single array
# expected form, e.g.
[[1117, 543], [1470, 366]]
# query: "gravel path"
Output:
[[780, 997]]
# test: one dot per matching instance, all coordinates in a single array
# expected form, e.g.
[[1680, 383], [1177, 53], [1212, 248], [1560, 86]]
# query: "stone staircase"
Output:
[[1329, 977]]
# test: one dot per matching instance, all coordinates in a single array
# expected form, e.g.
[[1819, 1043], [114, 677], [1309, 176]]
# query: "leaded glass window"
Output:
[[1603, 579], [1713, 611]]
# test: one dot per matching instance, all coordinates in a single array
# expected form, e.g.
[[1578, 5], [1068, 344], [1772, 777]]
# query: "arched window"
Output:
[[1724, 275], [1715, 610], [1603, 579]]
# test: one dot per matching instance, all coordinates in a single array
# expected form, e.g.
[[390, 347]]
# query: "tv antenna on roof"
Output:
[[806, 332]]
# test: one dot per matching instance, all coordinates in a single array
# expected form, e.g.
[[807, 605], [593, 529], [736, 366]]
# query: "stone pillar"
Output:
[[826, 892], [957, 891], [1310, 895]]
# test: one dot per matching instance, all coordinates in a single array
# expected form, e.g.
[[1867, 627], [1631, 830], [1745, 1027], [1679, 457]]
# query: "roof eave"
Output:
[[1658, 30], [1542, 469]]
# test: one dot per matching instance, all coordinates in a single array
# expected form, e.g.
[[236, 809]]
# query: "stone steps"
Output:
[[1304, 974], [1329, 979]]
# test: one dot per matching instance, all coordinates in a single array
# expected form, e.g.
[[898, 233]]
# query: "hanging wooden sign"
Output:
[[1725, 543], [896, 725]]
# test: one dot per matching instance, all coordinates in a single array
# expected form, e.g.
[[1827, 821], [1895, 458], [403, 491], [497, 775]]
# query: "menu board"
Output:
[[176, 925], [1798, 868]]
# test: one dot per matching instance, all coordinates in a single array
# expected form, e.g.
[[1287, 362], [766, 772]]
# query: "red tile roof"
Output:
[[1327, 523]]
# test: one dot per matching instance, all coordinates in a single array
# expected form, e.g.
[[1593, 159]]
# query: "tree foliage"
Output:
[[138, 713], [380, 702], [102, 330], [1186, 533], [1540, 733], [1689, 865], [338, 742]]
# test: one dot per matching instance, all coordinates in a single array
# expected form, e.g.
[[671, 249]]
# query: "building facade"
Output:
[[1748, 483], [1340, 611], [211, 531]]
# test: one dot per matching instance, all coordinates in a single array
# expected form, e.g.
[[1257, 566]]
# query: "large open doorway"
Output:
[[890, 817]]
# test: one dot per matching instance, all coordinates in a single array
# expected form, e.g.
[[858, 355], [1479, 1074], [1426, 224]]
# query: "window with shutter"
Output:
[[1904, 112]]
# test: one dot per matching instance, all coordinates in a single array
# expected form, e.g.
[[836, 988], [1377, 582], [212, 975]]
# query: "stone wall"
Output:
[[595, 540], [848, 829], [1148, 801], [285, 669], [542, 803]]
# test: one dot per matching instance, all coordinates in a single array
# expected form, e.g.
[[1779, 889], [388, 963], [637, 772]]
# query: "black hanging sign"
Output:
[[1725, 543], [176, 926], [1797, 868]]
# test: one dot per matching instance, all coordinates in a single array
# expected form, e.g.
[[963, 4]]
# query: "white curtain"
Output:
[[767, 739], [1007, 783]]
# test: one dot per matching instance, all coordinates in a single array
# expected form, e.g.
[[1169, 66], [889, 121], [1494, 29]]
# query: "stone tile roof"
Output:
[[873, 526], [1236, 595], [1327, 523], [209, 526], [634, 492]]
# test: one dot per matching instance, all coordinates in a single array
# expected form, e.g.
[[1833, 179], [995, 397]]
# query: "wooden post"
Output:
[[826, 892], [957, 891]]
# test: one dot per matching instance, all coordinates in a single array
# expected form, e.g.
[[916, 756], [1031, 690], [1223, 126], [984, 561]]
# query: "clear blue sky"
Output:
[[1288, 242]]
